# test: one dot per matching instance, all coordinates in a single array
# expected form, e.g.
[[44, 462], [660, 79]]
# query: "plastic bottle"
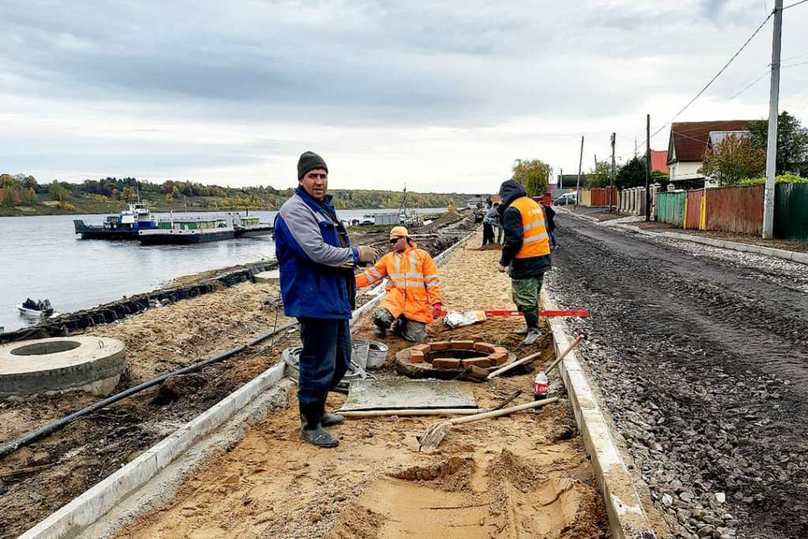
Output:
[[540, 386]]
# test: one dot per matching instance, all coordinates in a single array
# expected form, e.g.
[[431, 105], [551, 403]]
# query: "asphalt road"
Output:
[[702, 358]]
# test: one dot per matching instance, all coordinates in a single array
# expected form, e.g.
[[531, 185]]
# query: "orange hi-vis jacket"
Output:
[[413, 286], [535, 241]]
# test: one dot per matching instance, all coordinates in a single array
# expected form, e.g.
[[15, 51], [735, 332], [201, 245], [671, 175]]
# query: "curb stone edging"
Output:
[[627, 518], [794, 256], [784, 254], [91, 505]]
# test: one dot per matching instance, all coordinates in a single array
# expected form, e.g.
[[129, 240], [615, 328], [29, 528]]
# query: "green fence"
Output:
[[791, 211], [670, 207]]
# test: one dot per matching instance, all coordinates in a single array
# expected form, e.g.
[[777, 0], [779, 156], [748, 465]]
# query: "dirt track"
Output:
[[520, 476], [701, 355]]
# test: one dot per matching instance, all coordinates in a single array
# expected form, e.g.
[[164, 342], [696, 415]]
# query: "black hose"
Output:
[[58, 424]]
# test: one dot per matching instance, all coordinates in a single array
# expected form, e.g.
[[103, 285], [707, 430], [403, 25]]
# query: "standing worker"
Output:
[[412, 297], [497, 224], [316, 264], [525, 252], [549, 217], [489, 220]]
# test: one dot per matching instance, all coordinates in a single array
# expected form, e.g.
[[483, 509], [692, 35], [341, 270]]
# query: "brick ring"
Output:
[[448, 359]]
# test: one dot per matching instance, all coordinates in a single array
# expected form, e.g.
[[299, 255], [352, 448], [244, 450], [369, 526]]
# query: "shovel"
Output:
[[434, 435]]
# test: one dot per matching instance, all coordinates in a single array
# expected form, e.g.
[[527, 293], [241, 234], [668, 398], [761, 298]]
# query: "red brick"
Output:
[[416, 356], [446, 363], [482, 362], [439, 345], [421, 348], [462, 345], [498, 358], [484, 347], [498, 349]]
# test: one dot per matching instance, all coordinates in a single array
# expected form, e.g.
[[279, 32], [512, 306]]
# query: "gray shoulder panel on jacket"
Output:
[[304, 225]]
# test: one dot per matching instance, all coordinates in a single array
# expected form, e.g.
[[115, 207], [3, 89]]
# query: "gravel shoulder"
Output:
[[700, 354]]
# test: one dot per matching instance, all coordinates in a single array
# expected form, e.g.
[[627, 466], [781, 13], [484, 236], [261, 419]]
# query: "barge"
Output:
[[190, 230]]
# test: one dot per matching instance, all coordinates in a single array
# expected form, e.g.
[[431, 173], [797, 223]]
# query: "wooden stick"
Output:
[[575, 343], [358, 414], [504, 411], [516, 363]]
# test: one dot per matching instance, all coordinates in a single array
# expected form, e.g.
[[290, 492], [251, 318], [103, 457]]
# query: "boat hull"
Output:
[[169, 238], [95, 232]]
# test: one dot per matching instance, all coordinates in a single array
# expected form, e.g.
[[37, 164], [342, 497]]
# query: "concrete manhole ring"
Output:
[[446, 360], [86, 363]]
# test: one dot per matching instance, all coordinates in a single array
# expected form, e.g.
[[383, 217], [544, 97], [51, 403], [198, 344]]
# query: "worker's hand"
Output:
[[437, 310], [502, 268], [367, 254]]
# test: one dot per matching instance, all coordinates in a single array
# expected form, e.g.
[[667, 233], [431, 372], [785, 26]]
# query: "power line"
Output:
[[745, 88], [795, 4], [719, 73]]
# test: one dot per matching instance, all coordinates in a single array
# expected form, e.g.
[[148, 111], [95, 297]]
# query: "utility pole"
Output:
[[611, 182], [647, 168], [771, 144], [580, 164], [635, 147]]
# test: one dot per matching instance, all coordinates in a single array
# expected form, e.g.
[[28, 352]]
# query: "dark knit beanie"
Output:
[[309, 161]]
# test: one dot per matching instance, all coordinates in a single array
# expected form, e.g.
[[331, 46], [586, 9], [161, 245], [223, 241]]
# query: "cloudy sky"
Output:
[[442, 96]]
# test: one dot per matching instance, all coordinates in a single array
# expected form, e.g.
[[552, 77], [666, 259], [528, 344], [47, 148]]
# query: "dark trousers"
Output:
[[488, 233], [324, 360]]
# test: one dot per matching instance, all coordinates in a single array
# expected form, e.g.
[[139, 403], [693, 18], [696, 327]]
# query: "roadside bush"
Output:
[[784, 178]]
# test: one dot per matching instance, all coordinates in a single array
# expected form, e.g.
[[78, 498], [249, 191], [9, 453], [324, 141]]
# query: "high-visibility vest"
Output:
[[413, 283], [535, 241]]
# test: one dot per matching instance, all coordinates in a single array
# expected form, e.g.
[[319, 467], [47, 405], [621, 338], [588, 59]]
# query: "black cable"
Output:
[[795, 4], [715, 77], [58, 424]]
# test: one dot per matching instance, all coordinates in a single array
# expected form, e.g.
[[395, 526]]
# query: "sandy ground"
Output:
[[526, 475]]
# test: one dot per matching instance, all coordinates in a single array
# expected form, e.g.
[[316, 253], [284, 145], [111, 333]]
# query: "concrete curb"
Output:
[[627, 518], [81, 512], [793, 256]]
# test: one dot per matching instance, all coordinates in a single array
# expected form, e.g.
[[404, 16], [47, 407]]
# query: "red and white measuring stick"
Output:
[[580, 313]]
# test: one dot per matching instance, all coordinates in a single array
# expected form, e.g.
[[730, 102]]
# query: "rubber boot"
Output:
[[312, 430], [381, 321], [532, 322]]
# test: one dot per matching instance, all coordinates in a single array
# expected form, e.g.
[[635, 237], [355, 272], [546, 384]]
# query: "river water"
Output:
[[41, 257]]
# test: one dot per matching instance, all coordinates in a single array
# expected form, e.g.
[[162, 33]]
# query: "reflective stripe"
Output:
[[533, 225], [537, 237], [433, 285], [373, 272]]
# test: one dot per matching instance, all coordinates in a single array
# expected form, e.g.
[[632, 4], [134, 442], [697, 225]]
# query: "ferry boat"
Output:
[[186, 230], [124, 226]]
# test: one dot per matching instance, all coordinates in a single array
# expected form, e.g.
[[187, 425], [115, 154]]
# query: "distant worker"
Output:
[[525, 253], [549, 215], [316, 264], [412, 297], [489, 222], [497, 224]]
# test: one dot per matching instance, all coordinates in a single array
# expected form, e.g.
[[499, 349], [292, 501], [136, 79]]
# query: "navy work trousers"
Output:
[[324, 360]]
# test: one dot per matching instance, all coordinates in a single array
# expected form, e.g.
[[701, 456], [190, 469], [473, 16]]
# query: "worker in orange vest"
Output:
[[412, 298], [525, 252]]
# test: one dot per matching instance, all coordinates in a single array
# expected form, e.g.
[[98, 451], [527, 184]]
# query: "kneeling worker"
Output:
[[412, 299]]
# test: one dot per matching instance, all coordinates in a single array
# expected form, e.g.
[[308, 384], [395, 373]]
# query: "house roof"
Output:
[[688, 140], [659, 161]]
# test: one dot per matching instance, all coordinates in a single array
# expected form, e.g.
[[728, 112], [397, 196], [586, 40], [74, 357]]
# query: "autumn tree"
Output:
[[533, 174], [792, 143], [733, 159]]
